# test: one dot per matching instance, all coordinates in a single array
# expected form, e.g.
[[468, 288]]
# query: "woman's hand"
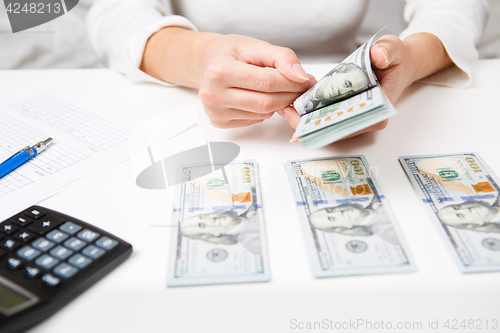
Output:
[[241, 80], [397, 64]]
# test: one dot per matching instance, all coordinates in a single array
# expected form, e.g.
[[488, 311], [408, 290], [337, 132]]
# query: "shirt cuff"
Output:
[[458, 75], [459, 28], [134, 48]]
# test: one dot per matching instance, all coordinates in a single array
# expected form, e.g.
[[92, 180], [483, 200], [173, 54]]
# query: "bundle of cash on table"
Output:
[[345, 101]]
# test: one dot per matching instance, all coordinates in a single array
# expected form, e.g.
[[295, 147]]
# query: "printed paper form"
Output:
[[90, 127]]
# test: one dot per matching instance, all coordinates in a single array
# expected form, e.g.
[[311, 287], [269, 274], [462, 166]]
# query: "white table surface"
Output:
[[134, 297]]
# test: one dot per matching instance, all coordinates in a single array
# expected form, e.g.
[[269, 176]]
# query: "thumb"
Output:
[[290, 115], [386, 52]]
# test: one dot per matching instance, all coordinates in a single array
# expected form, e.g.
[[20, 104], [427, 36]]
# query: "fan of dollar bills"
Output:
[[345, 101]]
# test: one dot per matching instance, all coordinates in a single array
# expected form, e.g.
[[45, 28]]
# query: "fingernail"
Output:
[[300, 72], [282, 113], [309, 84], [294, 139], [385, 53]]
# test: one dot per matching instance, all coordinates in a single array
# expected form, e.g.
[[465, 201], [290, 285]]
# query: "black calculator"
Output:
[[47, 259]]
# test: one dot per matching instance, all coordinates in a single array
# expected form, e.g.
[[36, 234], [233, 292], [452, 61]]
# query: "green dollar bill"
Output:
[[219, 235], [463, 195], [353, 75], [348, 227]]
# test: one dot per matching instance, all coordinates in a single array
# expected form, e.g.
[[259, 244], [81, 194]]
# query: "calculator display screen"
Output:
[[12, 301], [10, 298]]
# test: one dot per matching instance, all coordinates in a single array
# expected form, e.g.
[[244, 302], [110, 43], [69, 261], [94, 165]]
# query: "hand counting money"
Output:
[[219, 235], [346, 100], [463, 195], [346, 221]]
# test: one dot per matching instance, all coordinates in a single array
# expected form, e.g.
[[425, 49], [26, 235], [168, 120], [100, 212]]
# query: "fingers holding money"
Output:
[[386, 52], [389, 59], [241, 80], [247, 80], [290, 115], [391, 64], [227, 108], [255, 78], [244, 100], [398, 63]]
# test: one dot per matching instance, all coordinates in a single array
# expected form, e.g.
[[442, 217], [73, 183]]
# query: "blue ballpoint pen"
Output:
[[23, 156]]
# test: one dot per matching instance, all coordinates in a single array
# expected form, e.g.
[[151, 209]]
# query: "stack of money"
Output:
[[345, 101], [463, 195]]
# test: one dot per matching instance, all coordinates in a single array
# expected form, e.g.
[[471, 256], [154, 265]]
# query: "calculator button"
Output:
[[70, 228], [10, 244], [35, 213], [106, 243], [24, 236], [32, 272], [21, 221], [43, 244], [60, 252], [57, 236], [2, 253], [93, 252], [64, 270], [75, 243], [50, 280], [2, 236], [14, 263], [28, 253], [46, 261], [8, 228], [42, 226], [80, 261], [87, 235]]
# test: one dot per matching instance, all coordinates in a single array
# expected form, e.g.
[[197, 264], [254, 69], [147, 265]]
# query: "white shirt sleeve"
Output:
[[119, 30], [459, 26]]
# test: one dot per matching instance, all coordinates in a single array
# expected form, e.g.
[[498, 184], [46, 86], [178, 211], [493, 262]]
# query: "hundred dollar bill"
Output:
[[463, 194], [348, 227], [353, 75], [220, 228], [345, 101]]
